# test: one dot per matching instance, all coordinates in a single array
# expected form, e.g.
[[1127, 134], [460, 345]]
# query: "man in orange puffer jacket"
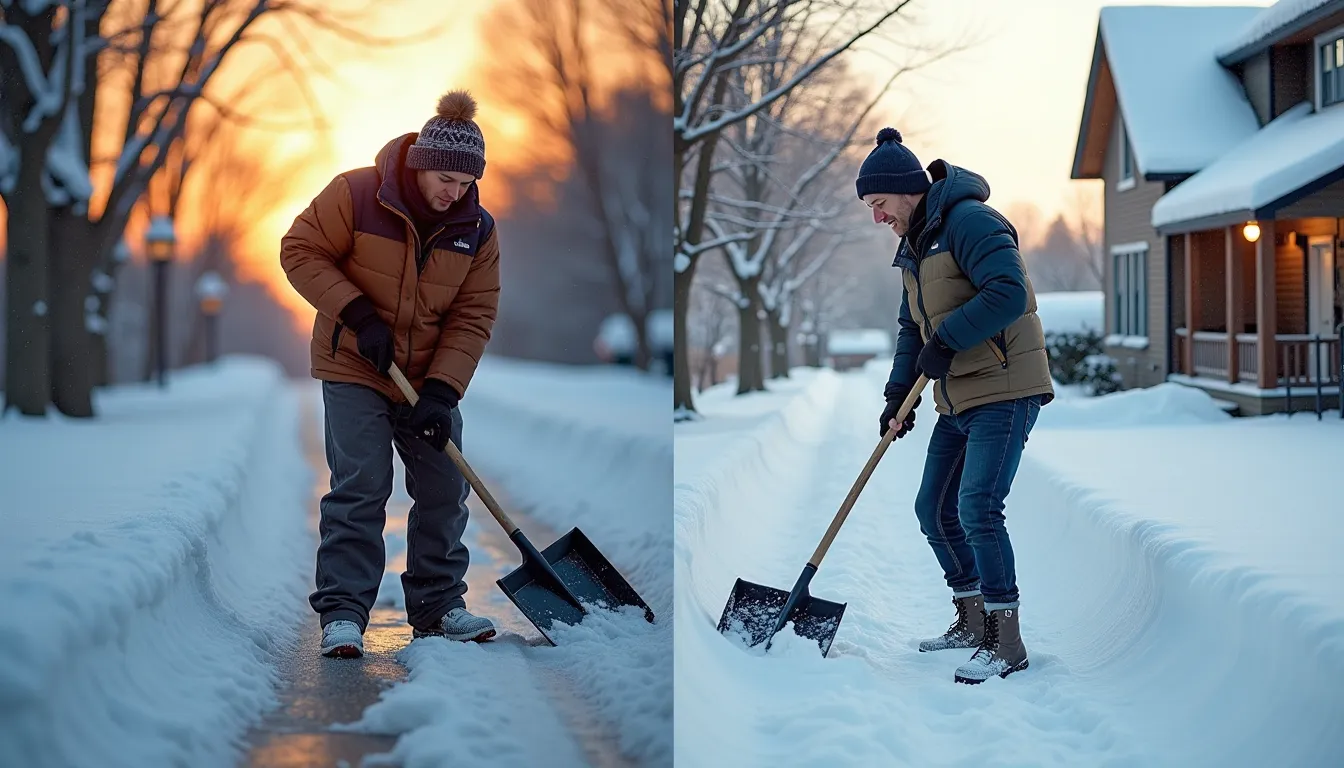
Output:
[[401, 263]]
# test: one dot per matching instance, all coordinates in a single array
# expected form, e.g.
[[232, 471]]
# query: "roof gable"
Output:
[[1155, 68]]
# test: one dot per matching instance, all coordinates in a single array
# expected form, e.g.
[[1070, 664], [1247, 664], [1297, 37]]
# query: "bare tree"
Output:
[[712, 332], [216, 163], [716, 43], [614, 133], [48, 44], [131, 71], [821, 189], [1086, 219]]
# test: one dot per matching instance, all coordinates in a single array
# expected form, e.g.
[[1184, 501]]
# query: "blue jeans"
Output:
[[973, 457]]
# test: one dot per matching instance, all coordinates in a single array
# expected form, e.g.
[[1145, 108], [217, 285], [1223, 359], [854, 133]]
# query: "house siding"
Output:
[[1128, 220], [1328, 202], [1290, 288], [1292, 84], [1255, 80], [1176, 301]]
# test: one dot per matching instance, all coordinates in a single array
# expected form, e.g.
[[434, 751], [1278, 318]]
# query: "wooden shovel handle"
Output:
[[457, 458], [867, 472]]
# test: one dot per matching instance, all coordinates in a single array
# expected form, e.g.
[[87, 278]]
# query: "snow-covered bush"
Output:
[[1076, 357]]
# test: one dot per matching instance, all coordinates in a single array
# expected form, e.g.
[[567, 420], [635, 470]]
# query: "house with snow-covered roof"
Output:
[[1219, 134]]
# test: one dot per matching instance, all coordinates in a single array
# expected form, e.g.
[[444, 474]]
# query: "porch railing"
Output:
[[1209, 354], [1304, 361]]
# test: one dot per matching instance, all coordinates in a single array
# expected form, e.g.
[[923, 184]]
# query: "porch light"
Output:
[[1251, 231]]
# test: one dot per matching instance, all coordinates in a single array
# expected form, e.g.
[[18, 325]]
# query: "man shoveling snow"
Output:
[[968, 322], [401, 263]]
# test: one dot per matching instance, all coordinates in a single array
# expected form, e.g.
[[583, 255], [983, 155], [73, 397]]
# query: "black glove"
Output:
[[372, 335], [431, 419], [895, 397], [935, 359]]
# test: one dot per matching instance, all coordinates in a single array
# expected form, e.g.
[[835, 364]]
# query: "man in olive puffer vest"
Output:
[[968, 322]]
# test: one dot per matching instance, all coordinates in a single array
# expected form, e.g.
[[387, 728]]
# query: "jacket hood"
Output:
[[951, 185], [391, 154], [387, 162]]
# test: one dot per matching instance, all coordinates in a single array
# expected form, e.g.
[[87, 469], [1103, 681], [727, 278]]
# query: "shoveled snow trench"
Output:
[[1142, 652]]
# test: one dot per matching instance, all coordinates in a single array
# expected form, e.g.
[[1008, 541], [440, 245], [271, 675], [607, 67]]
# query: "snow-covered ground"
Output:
[[153, 565], [1178, 570], [585, 447]]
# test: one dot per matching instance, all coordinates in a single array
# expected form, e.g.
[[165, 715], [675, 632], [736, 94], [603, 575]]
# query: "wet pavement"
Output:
[[318, 692]]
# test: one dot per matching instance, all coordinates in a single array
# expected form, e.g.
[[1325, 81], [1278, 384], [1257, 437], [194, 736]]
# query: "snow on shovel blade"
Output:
[[753, 609], [585, 572]]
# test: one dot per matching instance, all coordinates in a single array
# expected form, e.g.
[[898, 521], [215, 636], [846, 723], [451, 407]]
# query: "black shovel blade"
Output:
[[585, 572], [753, 609]]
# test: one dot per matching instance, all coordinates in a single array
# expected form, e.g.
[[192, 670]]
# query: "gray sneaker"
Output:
[[459, 624], [342, 639]]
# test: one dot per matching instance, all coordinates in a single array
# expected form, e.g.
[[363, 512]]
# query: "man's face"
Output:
[[892, 210], [443, 188]]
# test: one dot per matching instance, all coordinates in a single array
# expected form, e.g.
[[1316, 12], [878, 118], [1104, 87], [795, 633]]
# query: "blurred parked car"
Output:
[[616, 341]]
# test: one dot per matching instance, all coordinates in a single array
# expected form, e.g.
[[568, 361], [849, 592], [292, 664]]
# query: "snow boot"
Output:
[[342, 639], [966, 632], [459, 624], [1000, 653]]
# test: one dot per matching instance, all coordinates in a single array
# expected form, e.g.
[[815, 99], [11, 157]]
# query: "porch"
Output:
[[1256, 312]]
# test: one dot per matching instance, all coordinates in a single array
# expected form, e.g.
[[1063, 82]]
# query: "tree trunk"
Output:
[[681, 360], [751, 365], [779, 346], [682, 400], [28, 326], [73, 363], [643, 356]]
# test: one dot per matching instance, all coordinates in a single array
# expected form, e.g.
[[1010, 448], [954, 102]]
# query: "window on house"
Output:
[[1332, 70], [1129, 290], [1126, 157]]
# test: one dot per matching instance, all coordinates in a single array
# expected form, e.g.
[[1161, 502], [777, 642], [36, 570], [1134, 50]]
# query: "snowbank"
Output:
[[1206, 550], [153, 566], [571, 446], [1071, 311], [590, 447], [748, 453], [1165, 404]]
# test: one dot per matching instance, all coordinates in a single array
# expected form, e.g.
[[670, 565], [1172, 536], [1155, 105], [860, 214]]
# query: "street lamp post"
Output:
[[160, 242], [211, 290]]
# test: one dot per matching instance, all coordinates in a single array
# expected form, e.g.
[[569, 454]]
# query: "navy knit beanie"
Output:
[[891, 168]]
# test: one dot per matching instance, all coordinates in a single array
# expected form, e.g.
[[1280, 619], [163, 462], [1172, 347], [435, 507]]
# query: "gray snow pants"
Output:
[[362, 426]]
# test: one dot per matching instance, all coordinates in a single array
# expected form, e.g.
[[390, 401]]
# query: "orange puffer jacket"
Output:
[[357, 238]]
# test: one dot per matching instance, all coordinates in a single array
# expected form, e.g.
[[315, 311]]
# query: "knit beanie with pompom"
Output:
[[891, 169], [450, 141]]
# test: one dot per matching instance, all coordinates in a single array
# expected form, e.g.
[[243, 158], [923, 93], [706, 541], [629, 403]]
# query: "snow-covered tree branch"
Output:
[[720, 46]]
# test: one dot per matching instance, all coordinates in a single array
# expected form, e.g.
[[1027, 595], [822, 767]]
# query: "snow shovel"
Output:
[[760, 612], [559, 583]]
